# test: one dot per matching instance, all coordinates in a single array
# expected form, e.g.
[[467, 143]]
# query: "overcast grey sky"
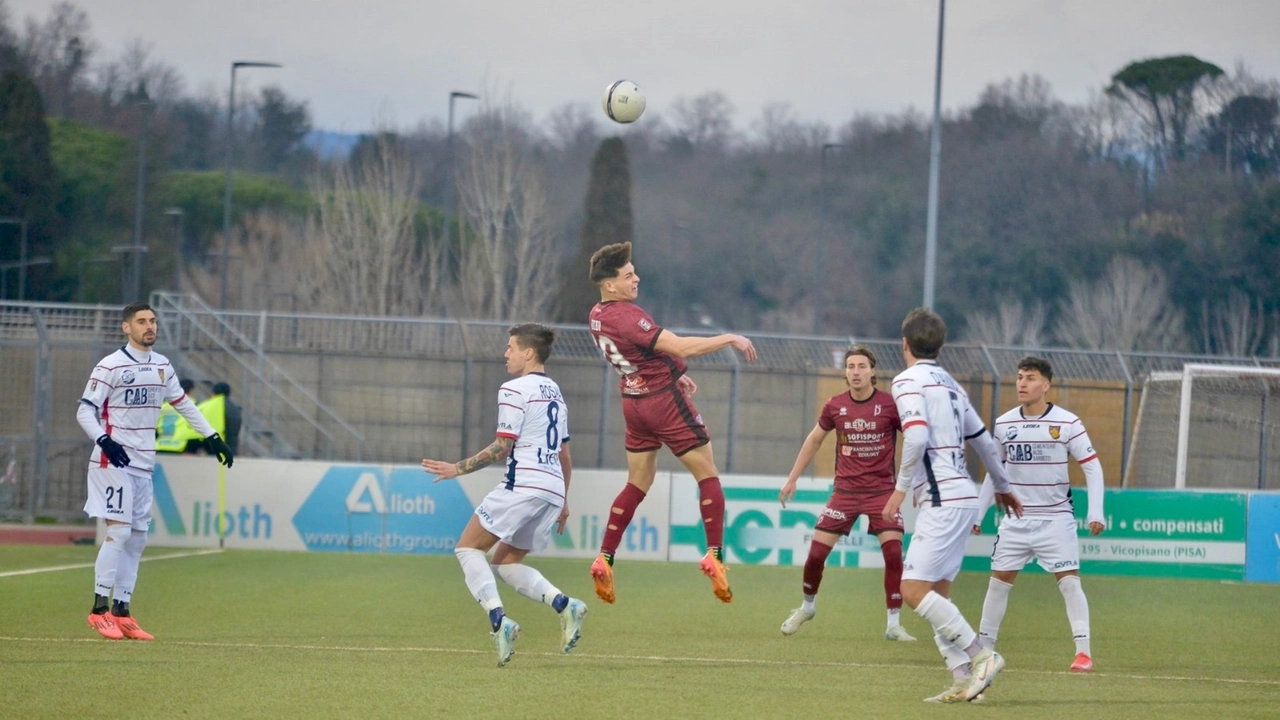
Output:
[[829, 59]]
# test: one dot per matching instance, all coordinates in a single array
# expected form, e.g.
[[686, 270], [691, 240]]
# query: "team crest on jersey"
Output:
[[645, 325], [127, 377], [1055, 431], [161, 373], [1011, 433], [595, 325]]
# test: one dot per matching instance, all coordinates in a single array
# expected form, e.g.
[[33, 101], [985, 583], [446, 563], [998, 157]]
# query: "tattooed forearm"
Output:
[[497, 450]]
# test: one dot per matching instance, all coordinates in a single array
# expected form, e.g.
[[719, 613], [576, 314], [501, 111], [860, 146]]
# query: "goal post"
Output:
[[1208, 426]]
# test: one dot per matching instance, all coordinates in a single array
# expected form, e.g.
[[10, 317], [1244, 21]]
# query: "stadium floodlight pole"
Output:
[[820, 246], [177, 273], [226, 196], [135, 279], [935, 157], [450, 176], [22, 253]]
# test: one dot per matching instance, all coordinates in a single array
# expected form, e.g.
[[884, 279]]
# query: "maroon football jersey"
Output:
[[625, 335], [865, 436]]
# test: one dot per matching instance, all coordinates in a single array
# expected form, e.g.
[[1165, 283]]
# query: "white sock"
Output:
[[479, 578], [993, 609], [947, 621], [127, 571], [810, 603], [107, 565], [955, 658], [1077, 611], [528, 582], [894, 617]]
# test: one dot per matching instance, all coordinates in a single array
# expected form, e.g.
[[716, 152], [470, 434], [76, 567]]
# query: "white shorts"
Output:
[[120, 494], [1052, 541], [522, 521], [937, 546]]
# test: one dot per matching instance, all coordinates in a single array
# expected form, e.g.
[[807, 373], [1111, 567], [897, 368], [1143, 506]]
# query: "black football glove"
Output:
[[219, 447], [114, 451]]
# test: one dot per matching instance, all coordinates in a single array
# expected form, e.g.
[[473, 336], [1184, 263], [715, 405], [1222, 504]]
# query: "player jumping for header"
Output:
[[658, 407]]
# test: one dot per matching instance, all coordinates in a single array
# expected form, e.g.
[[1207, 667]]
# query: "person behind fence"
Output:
[[517, 515], [1038, 437], [119, 410], [173, 433], [232, 416]]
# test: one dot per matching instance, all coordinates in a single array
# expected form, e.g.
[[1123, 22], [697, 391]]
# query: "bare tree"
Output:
[[365, 232], [1012, 323], [778, 130], [704, 121], [57, 53], [1126, 309], [1234, 326], [507, 259]]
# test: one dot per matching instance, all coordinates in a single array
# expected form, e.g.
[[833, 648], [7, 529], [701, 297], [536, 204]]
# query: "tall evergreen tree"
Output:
[[607, 220], [27, 181]]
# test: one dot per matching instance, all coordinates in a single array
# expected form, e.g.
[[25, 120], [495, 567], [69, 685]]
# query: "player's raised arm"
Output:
[[808, 450], [687, 347]]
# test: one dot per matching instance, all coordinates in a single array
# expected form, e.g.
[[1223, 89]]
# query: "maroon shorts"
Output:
[[843, 509], [667, 417]]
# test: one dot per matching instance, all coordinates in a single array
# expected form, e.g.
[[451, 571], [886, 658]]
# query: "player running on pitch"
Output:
[[658, 408], [937, 420], [866, 423], [517, 516], [1038, 436]]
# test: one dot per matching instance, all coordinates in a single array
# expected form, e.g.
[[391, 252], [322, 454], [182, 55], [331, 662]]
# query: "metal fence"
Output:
[[400, 389]]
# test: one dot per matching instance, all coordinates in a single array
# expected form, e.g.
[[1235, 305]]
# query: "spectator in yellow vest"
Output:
[[173, 433]]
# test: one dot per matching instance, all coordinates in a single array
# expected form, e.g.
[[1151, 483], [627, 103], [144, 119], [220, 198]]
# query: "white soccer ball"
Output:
[[623, 102]]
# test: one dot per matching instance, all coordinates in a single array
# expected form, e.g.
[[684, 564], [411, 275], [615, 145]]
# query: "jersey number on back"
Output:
[[610, 350]]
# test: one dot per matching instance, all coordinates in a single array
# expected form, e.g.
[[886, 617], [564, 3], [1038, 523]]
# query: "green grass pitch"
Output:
[[280, 635]]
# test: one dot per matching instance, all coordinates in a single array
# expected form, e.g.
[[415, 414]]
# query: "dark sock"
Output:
[[100, 604], [892, 551], [620, 514], [813, 567], [560, 602], [711, 505], [119, 609], [495, 618]]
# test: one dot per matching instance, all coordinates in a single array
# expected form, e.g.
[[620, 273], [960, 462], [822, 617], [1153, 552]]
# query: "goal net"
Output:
[[1209, 426]]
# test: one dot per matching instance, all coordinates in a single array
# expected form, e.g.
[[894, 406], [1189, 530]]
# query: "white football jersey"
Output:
[[927, 395], [532, 411], [127, 389], [1035, 457]]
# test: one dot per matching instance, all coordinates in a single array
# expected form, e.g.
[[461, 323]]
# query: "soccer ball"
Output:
[[623, 102]]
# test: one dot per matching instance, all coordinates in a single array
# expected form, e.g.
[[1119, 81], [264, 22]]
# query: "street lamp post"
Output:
[[449, 186], [820, 247], [128, 285], [676, 253], [22, 254], [226, 196], [178, 255], [135, 285], [935, 157]]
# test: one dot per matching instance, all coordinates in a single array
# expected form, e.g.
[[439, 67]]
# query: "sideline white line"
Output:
[[81, 566], [652, 658]]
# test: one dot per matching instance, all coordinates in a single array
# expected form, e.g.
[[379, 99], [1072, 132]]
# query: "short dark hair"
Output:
[[925, 333], [221, 388], [608, 260], [187, 385], [534, 336], [133, 309], [862, 350], [1031, 362]]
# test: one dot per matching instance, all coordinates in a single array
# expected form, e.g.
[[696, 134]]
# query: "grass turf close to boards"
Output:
[[266, 634]]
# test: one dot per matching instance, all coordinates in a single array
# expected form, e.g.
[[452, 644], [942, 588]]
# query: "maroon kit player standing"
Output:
[[658, 407], [866, 423]]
